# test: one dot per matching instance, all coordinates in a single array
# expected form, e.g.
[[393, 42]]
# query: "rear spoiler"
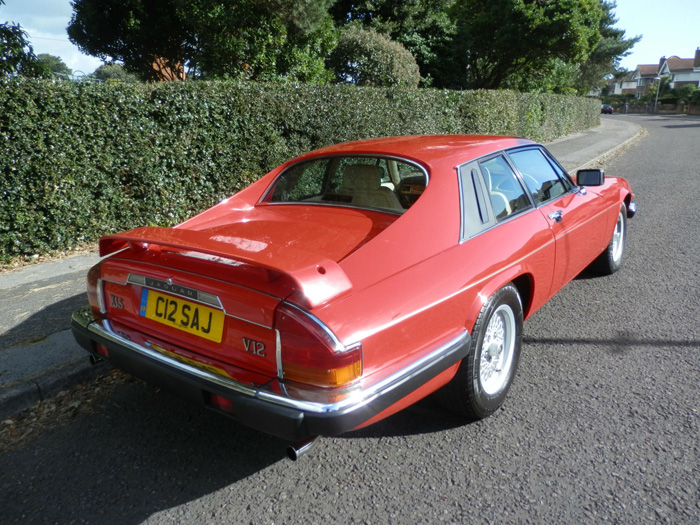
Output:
[[319, 279]]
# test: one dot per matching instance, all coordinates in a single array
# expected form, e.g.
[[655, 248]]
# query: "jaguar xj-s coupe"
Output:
[[354, 280]]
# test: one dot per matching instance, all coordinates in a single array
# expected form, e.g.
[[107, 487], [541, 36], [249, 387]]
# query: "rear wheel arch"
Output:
[[524, 285], [627, 200], [523, 281]]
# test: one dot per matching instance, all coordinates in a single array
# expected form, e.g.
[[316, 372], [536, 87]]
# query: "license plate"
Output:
[[184, 315]]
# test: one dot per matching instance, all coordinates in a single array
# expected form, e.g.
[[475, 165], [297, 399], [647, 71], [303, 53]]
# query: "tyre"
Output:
[[485, 375], [610, 260]]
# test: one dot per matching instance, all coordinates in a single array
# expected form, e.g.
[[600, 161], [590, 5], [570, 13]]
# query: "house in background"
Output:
[[644, 77], [681, 71], [624, 86]]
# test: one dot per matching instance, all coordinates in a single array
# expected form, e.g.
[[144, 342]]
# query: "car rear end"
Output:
[[220, 329]]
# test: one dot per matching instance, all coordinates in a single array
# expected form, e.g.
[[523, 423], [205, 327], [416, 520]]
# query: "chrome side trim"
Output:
[[355, 400]]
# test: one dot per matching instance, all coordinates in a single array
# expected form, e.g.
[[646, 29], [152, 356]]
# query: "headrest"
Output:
[[362, 177]]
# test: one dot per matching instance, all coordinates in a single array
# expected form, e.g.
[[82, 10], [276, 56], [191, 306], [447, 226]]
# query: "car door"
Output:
[[502, 233], [576, 220]]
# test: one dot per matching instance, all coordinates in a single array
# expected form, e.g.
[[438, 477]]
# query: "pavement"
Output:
[[38, 355]]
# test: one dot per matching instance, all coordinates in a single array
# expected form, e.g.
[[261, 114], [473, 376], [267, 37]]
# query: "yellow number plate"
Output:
[[184, 315]]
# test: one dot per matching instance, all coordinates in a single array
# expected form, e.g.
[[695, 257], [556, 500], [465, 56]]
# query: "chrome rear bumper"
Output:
[[287, 411]]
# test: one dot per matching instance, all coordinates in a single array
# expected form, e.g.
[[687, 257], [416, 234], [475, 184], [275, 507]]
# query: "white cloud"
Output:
[[45, 22]]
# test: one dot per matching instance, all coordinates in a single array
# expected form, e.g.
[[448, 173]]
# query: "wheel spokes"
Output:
[[497, 349]]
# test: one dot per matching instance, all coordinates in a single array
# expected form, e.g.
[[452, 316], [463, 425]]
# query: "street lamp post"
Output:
[[658, 88]]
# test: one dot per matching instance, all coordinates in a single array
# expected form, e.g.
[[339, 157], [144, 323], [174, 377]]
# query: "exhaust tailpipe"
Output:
[[298, 449]]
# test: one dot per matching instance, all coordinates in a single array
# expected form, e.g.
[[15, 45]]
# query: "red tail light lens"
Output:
[[311, 354]]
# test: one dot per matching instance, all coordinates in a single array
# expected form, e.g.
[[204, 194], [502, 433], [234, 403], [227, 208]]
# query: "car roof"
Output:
[[426, 149]]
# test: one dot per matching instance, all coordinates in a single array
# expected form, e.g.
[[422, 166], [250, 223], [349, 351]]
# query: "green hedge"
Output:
[[80, 160]]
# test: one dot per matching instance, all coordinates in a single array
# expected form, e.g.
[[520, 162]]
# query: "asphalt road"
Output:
[[39, 301], [602, 424]]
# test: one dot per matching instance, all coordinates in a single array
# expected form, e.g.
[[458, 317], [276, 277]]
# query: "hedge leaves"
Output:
[[81, 160]]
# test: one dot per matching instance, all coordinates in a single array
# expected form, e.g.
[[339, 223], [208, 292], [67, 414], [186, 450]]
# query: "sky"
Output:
[[668, 27]]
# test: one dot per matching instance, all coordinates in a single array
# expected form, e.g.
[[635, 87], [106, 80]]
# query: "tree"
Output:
[[160, 39], [54, 64], [367, 58], [114, 72], [16, 54], [147, 36], [686, 92], [555, 76], [497, 39], [421, 26], [262, 39], [605, 58], [695, 97]]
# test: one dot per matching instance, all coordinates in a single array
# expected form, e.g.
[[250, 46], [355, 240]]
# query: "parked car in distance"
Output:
[[352, 281], [606, 109]]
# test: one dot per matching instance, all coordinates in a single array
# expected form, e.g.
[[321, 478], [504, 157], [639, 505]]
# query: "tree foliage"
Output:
[[424, 27], [367, 58], [252, 39], [147, 36], [605, 57], [54, 64], [16, 53], [497, 39], [554, 46], [261, 39], [113, 72]]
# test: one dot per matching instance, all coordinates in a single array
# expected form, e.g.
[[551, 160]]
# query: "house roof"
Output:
[[648, 70], [677, 65]]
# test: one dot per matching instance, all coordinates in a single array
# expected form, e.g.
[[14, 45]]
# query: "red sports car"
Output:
[[355, 280]]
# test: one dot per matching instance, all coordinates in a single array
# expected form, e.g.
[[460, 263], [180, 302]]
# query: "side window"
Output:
[[568, 183], [539, 176], [476, 214], [505, 192]]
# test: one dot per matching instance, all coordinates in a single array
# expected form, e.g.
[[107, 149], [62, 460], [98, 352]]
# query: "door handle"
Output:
[[556, 216]]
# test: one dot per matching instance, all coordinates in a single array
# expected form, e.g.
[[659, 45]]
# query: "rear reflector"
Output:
[[221, 403]]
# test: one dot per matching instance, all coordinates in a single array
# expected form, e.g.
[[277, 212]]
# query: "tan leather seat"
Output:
[[501, 205], [364, 183]]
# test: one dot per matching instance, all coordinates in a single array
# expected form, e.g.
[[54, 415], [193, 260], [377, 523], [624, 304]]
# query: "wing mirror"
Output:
[[590, 177]]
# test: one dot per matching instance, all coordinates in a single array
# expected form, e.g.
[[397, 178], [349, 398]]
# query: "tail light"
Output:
[[94, 290], [310, 352]]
